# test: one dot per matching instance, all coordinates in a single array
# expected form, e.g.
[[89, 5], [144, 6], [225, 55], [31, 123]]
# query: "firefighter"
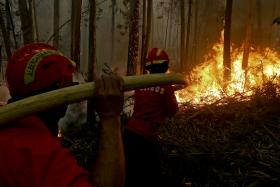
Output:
[[152, 106], [30, 152]]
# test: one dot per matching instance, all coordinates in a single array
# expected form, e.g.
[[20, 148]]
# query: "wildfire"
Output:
[[205, 82]]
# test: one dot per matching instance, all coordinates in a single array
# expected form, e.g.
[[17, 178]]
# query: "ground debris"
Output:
[[232, 142]]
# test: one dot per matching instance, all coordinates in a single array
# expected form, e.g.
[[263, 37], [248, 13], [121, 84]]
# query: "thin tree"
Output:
[[10, 22], [171, 28], [56, 19], [182, 47], [195, 35], [33, 13], [144, 23], [133, 44], [227, 32], [188, 36], [1, 68], [75, 31], [26, 22], [148, 31], [91, 56], [259, 20], [113, 29], [5, 35], [248, 36], [167, 25]]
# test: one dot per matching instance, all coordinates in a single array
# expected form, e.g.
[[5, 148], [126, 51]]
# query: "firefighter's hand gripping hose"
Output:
[[108, 94]]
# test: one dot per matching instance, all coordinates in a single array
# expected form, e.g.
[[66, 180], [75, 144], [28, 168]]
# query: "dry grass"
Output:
[[233, 142]]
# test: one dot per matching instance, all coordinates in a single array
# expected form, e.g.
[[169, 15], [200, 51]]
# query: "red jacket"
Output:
[[152, 106], [31, 157]]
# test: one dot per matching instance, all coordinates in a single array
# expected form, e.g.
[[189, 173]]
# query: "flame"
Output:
[[205, 81]]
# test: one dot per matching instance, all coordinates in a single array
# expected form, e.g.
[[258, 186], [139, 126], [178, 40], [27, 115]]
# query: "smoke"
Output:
[[76, 114]]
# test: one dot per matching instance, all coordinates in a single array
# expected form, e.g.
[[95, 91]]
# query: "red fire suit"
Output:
[[31, 157], [152, 105], [142, 151]]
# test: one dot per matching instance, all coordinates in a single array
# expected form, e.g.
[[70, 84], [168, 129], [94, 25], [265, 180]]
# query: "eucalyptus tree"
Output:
[[26, 22], [182, 39], [113, 29], [195, 35], [146, 31], [186, 63], [248, 36], [56, 18], [5, 35], [75, 31], [133, 45], [91, 56], [226, 57], [10, 21]]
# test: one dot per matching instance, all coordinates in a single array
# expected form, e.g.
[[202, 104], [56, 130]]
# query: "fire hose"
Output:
[[78, 93]]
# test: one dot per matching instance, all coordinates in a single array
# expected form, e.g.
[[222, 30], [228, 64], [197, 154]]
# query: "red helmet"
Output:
[[157, 61], [36, 67], [156, 56]]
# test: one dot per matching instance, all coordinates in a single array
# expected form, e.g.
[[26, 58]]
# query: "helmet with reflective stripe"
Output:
[[158, 60], [36, 67]]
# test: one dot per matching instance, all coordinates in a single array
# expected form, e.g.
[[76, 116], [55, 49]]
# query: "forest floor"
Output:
[[233, 142]]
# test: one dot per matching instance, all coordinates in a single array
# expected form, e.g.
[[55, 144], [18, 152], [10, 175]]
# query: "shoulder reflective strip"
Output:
[[158, 61], [30, 69], [148, 63], [155, 62]]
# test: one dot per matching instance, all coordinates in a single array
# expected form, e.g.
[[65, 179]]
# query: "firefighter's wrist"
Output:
[[110, 121]]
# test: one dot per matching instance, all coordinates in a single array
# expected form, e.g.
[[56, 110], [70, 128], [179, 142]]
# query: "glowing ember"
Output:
[[206, 80]]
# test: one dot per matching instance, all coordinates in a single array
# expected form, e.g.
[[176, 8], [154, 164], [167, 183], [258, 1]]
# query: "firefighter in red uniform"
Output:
[[30, 152], [152, 106]]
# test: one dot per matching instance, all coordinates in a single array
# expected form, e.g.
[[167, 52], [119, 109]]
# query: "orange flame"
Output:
[[206, 80]]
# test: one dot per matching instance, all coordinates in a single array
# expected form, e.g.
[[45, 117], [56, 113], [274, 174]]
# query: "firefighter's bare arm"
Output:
[[109, 167]]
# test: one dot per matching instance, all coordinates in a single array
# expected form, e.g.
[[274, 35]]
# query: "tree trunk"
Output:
[[33, 13], [56, 23], [10, 22], [227, 60], [167, 25], [1, 68], [26, 22], [75, 31], [259, 21], [148, 30], [182, 54], [187, 66], [113, 29], [133, 45], [5, 35], [195, 36], [144, 25], [248, 36], [91, 56], [171, 28]]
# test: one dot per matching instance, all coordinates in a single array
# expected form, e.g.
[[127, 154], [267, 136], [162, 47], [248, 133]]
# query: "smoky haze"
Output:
[[207, 21]]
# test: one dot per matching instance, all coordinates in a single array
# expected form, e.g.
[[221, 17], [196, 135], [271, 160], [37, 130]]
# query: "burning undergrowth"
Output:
[[234, 141]]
